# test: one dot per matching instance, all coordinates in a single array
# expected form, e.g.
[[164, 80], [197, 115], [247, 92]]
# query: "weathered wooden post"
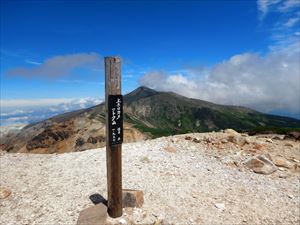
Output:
[[114, 134]]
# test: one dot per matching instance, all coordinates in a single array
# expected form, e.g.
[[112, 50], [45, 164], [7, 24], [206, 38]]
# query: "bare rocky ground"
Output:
[[186, 179]]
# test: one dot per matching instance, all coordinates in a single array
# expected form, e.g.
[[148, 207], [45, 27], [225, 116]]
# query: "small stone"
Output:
[[122, 221], [288, 145], [158, 222], [145, 160], [220, 206], [269, 140], [70, 213], [282, 176], [155, 215], [280, 168], [188, 138], [291, 196], [196, 140], [4, 192], [144, 214], [208, 139], [170, 149], [296, 168], [224, 141]]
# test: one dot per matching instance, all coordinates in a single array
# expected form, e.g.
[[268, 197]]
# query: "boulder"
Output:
[[231, 132], [237, 139], [278, 137], [293, 135], [132, 198], [261, 164], [282, 162]]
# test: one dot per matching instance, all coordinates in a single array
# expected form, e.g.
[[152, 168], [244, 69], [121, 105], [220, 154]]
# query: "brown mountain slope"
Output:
[[75, 131]]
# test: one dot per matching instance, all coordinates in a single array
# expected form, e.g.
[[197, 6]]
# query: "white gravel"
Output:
[[187, 187]]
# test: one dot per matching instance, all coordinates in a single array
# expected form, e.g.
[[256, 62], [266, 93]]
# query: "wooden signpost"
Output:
[[114, 135]]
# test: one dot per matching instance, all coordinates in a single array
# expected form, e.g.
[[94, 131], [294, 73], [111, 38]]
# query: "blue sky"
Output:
[[227, 52]]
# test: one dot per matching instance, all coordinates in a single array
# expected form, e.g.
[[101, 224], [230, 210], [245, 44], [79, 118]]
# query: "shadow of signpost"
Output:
[[97, 199]]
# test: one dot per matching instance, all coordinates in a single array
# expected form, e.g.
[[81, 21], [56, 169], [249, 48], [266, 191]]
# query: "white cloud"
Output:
[[32, 62], [289, 5], [284, 29], [14, 112], [18, 119], [81, 82], [27, 103], [60, 65], [265, 5], [291, 22], [282, 6], [27, 111], [127, 76], [7, 103], [169, 82], [265, 83]]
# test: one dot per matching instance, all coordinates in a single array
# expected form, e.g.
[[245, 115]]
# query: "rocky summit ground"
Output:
[[208, 178]]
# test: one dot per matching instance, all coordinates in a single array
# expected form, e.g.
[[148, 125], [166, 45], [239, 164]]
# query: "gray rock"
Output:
[[231, 132], [261, 164], [237, 139], [282, 162]]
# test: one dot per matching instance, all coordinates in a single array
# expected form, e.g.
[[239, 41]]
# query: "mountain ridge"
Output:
[[147, 114]]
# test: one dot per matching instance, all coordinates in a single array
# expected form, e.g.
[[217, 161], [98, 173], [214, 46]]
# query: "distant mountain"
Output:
[[166, 113], [147, 114]]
